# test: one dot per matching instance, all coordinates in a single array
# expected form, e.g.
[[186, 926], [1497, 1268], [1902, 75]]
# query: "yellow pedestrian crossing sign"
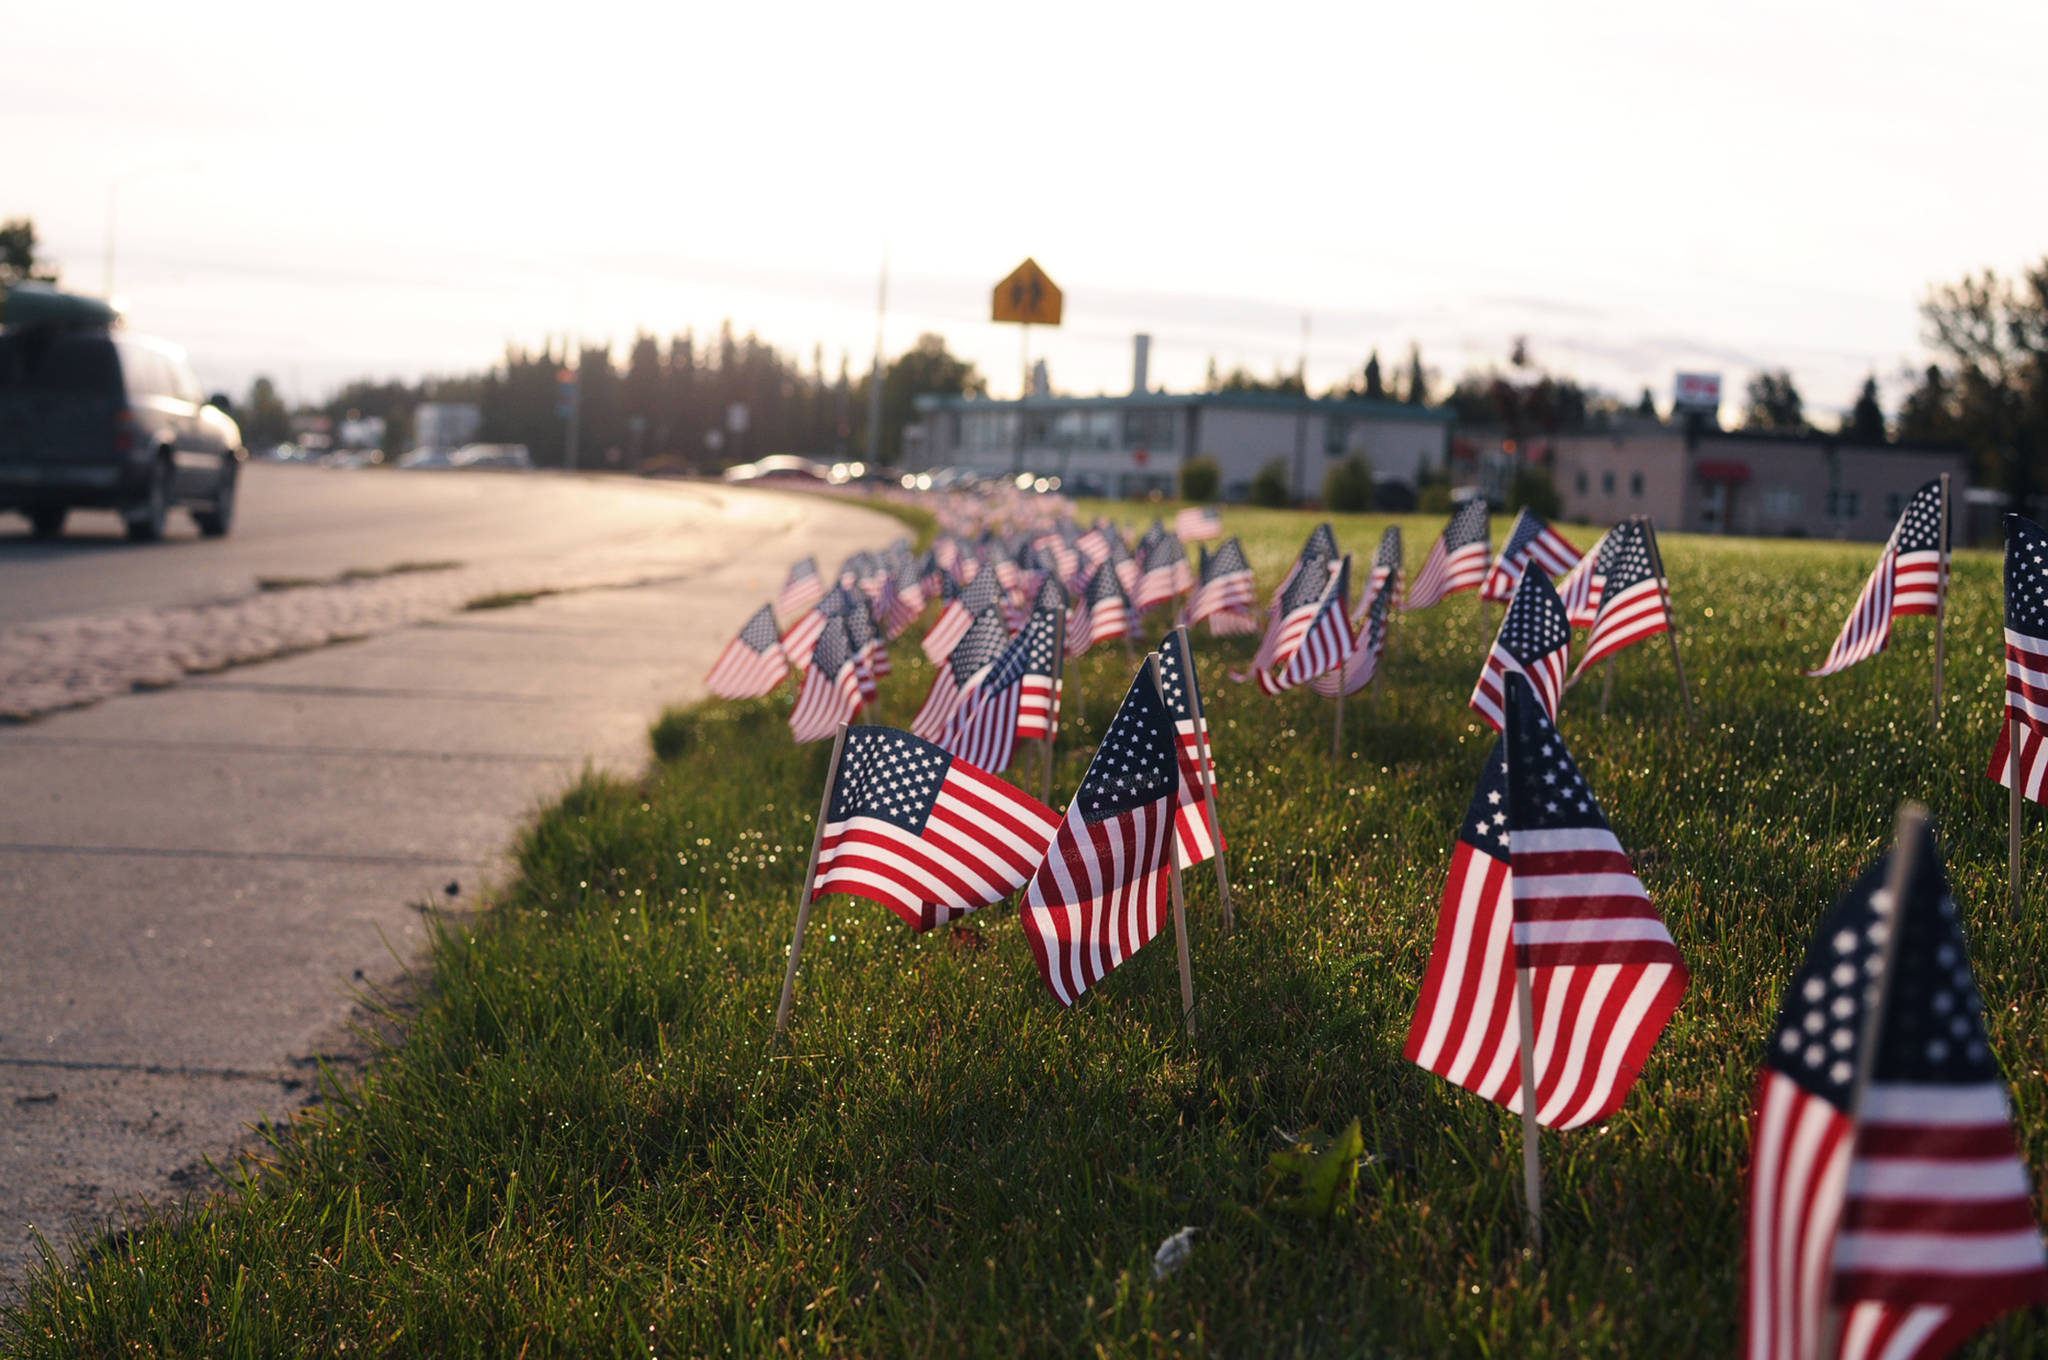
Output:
[[1028, 297]]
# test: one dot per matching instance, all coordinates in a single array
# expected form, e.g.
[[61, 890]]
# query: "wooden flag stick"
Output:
[[1532, 1153], [2015, 807], [1941, 602], [803, 904], [1670, 620], [1180, 906], [1059, 680], [1898, 879], [1208, 759]]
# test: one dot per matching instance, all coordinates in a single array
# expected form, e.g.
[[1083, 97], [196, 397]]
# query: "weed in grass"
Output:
[[589, 1145]]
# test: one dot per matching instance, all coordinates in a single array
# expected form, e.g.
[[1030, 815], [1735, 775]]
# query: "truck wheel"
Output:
[[48, 522], [217, 519], [145, 519]]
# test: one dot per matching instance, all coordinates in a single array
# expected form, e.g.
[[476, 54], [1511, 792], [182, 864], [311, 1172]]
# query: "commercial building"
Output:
[[1707, 481], [1133, 445]]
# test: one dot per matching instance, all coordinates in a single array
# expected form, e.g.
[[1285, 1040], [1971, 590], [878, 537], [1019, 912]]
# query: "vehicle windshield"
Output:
[[39, 360]]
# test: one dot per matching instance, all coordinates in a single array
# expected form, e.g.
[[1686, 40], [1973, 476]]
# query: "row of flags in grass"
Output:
[[1889, 1209]]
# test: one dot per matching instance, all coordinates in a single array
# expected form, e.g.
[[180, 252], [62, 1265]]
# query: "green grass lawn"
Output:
[[590, 1145]]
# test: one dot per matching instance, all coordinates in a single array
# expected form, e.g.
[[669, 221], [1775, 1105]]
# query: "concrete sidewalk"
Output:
[[193, 880]]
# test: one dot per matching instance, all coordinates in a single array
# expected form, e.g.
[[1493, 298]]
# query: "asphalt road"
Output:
[[301, 521], [196, 882]]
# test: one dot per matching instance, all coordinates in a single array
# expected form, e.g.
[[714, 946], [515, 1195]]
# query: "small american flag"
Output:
[[1535, 641], [1125, 563], [1323, 642], [1631, 595], [1893, 1217], [1101, 893], [1538, 881], [1183, 692], [1529, 540], [903, 601], [960, 612], [1058, 556], [1094, 545], [1104, 613], [870, 658], [964, 667], [802, 636], [1166, 573], [1582, 586], [1198, 523], [1302, 590], [831, 690], [1908, 579], [927, 835], [1386, 570], [1370, 639], [752, 664], [1457, 560], [1226, 584], [802, 590], [2026, 659], [1051, 595], [1017, 701]]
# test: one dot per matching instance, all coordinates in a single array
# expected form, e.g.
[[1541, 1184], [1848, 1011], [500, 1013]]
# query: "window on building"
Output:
[[1160, 424], [1635, 484], [1103, 428], [1135, 432], [1336, 435], [1782, 502], [1844, 504], [1579, 482], [1607, 484]]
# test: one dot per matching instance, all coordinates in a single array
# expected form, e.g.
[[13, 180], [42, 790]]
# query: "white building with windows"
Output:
[[1134, 445]]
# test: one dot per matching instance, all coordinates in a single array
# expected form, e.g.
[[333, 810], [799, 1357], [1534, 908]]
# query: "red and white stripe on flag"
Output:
[[1101, 893], [1196, 841], [824, 703], [928, 836], [752, 664], [2026, 703], [801, 638], [1625, 619]]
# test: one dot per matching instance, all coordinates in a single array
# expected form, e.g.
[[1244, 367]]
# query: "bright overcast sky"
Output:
[[396, 189]]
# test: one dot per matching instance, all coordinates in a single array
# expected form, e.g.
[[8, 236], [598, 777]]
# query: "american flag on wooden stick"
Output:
[[870, 658], [1387, 571], [1018, 700], [802, 636], [2026, 659], [1125, 563], [752, 664], [1198, 523], [1457, 560], [1908, 579], [1538, 881], [1889, 1209], [1534, 641], [1368, 641], [1093, 545], [1103, 613], [1530, 540], [1165, 574], [831, 689], [1051, 594], [1301, 591], [959, 613], [801, 590], [965, 667], [1322, 642], [1581, 588], [1226, 584], [928, 835], [1063, 561], [1632, 594], [1183, 692], [1101, 893]]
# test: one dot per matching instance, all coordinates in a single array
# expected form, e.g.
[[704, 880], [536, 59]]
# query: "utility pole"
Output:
[[875, 372], [1301, 420]]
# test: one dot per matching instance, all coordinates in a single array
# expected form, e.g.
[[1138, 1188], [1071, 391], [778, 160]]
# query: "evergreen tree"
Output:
[[1865, 424], [1418, 380], [1775, 406], [1374, 389], [1646, 406]]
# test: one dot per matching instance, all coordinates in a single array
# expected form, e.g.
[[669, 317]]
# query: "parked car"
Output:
[[92, 416], [492, 456]]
